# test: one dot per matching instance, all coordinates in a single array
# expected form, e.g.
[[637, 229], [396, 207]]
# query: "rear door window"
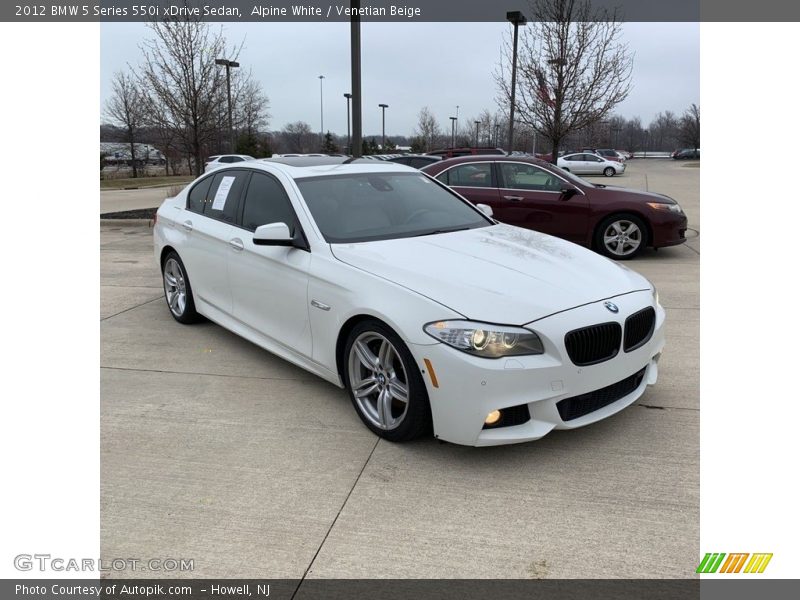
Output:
[[470, 175], [222, 201], [197, 195]]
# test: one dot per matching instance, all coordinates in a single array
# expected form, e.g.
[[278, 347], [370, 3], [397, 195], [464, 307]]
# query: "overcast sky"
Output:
[[411, 65]]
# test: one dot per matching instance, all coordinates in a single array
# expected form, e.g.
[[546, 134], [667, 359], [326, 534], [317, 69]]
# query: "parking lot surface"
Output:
[[214, 450]]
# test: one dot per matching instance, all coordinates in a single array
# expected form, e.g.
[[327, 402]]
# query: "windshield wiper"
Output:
[[438, 231]]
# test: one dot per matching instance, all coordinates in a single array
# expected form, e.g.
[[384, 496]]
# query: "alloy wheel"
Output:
[[378, 380], [175, 287], [622, 237]]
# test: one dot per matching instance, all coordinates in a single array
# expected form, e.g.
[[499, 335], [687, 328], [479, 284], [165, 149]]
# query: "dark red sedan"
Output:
[[534, 194]]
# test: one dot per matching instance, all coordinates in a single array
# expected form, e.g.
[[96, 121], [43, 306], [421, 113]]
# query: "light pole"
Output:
[[355, 75], [229, 64], [646, 135], [349, 149], [477, 131], [453, 131], [321, 123], [516, 18], [383, 108]]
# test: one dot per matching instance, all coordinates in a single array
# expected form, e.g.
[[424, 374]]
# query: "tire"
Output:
[[378, 365], [609, 171], [621, 236], [178, 290]]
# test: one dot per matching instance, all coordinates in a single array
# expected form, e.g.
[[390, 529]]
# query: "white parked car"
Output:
[[585, 163], [221, 160], [433, 316]]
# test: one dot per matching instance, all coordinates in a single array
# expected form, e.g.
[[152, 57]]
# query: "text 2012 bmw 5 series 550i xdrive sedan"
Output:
[[432, 315]]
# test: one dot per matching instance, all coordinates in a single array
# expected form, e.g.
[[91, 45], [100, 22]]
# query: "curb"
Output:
[[143, 187], [130, 222]]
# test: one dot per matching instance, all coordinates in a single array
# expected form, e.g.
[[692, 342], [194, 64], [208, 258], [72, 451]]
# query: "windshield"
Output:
[[363, 207]]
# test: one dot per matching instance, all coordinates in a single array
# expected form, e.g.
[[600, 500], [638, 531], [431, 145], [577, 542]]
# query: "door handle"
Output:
[[237, 244], [187, 225], [513, 198]]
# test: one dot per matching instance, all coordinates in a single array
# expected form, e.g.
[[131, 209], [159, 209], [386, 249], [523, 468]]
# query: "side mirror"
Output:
[[485, 209], [568, 192], [278, 234]]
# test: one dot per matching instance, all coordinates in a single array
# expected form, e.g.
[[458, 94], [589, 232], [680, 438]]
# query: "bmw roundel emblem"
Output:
[[612, 307]]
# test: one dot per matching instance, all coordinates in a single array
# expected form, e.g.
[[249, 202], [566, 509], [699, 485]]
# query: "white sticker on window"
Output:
[[222, 193]]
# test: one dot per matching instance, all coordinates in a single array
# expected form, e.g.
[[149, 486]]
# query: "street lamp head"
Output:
[[348, 96], [383, 106], [226, 63], [516, 17], [454, 118], [322, 76]]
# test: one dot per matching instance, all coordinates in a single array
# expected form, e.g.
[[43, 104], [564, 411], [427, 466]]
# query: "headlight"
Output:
[[485, 339], [675, 208]]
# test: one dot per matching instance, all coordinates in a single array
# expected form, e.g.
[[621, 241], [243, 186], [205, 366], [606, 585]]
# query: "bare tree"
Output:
[[299, 138], [250, 105], [690, 127], [664, 130], [428, 129], [127, 109], [184, 82], [572, 68]]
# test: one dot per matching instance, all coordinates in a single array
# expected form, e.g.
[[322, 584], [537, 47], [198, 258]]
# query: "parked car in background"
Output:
[[415, 160], [687, 154], [434, 317], [534, 194], [590, 164], [610, 154], [466, 151], [220, 160], [626, 154]]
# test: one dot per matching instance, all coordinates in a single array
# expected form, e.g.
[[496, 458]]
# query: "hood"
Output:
[[634, 195], [499, 274]]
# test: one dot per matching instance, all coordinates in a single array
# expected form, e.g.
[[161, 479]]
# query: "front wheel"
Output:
[[621, 237], [609, 172], [384, 383]]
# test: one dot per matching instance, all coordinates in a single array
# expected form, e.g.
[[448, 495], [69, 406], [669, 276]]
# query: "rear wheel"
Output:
[[178, 290], [621, 237], [609, 172], [384, 383]]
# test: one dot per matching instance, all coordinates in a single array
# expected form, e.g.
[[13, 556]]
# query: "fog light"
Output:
[[493, 417]]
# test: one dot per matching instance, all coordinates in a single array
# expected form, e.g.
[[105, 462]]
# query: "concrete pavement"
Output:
[[215, 450]]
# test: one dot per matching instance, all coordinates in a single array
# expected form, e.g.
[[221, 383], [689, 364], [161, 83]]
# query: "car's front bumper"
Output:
[[468, 388], [668, 229]]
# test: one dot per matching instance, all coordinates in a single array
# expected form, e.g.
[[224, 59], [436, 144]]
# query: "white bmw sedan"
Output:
[[433, 316]]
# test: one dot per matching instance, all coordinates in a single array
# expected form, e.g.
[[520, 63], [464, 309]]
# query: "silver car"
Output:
[[584, 163]]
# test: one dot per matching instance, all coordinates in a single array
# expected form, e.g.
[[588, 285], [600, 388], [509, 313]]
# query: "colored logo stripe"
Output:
[[758, 563], [710, 562], [733, 564]]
